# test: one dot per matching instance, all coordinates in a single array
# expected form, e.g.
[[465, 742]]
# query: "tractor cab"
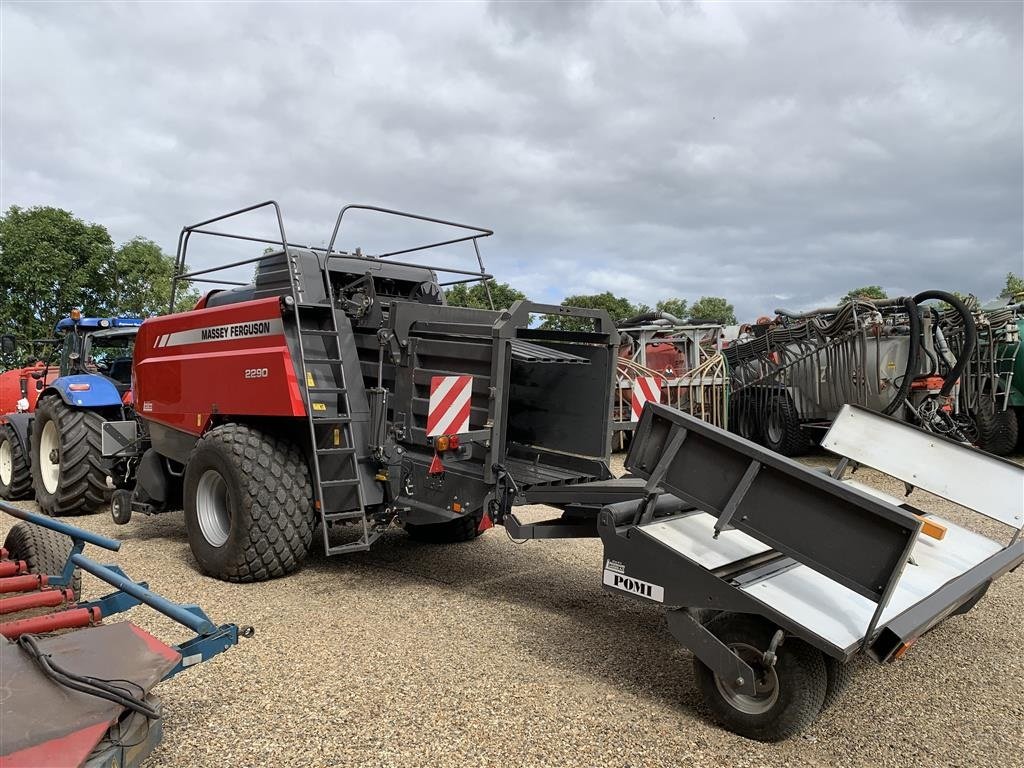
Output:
[[98, 345]]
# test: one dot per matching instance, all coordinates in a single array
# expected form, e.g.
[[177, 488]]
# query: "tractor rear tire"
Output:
[[248, 504], [997, 430], [797, 681], [44, 551], [76, 484], [780, 431], [15, 473], [461, 529]]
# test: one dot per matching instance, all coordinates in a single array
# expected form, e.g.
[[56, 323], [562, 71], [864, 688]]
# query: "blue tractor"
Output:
[[50, 438]]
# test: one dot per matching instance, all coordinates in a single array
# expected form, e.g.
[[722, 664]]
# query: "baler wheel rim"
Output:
[[213, 508]]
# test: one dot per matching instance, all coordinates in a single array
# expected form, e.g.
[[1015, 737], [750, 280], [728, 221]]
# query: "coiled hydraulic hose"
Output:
[[970, 335], [912, 357]]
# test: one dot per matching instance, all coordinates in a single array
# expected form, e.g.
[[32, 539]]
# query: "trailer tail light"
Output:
[[79, 387], [128, 399], [444, 443]]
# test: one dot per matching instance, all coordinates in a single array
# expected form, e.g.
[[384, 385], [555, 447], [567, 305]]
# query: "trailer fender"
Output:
[[21, 423], [85, 390]]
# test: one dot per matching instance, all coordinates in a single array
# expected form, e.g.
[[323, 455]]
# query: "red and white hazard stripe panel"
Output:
[[646, 389], [448, 411]]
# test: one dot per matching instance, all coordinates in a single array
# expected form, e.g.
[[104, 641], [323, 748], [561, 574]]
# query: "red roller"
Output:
[[27, 583], [72, 619], [13, 567], [3, 553], [45, 598]]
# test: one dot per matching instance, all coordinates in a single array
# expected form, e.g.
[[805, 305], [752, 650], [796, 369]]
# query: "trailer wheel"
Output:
[[997, 430], [452, 532], [44, 551], [795, 685], [67, 464], [838, 677], [15, 473], [781, 430], [248, 504]]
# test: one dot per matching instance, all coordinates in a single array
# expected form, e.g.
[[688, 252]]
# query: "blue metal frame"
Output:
[[210, 639], [97, 323]]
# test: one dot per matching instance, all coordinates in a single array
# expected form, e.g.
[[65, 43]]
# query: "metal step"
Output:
[[331, 360], [315, 332], [355, 546], [338, 483], [326, 390], [332, 419], [336, 516], [334, 451]]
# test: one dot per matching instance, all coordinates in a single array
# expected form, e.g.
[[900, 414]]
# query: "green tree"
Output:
[[618, 307], [676, 307], [51, 262], [868, 292], [475, 295], [140, 281], [1014, 286], [713, 309]]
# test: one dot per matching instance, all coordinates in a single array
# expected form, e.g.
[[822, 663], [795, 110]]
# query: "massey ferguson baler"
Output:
[[337, 391]]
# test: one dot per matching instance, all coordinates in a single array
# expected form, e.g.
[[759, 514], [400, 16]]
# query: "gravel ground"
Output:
[[490, 653]]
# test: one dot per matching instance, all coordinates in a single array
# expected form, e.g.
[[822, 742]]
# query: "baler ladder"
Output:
[[331, 434]]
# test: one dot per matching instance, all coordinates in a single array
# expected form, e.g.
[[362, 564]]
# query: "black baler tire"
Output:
[[465, 528], [998, 431], [793, 441], [271, 500], [82, 483], [20, 486], [44, 551], [1019, 411], [838, 676], [801, 673]]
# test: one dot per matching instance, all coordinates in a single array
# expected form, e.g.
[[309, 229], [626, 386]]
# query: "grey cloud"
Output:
[[745, 150]]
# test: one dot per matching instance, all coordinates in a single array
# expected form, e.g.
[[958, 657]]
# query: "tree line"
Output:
[[53, 262]]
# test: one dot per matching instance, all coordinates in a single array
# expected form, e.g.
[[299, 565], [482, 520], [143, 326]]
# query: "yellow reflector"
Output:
[[319, 406], [337, 436], [310, 381]]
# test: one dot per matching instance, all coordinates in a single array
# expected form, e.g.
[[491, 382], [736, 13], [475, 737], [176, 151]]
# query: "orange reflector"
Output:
[[904, 647], [931, 528], [441, 443], [79, 387], [456, 507]]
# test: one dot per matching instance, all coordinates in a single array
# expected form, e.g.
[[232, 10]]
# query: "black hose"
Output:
[[970, 335], [648, 317], [913, 354]]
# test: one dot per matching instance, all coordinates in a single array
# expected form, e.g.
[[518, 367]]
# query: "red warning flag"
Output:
[[485, 523]]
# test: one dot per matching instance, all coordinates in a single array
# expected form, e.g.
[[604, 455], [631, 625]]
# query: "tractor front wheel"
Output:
[[248, 504], [15, 473], [67, 465]]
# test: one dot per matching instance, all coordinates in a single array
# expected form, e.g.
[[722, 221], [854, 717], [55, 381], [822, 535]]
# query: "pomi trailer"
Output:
[[337, 390]]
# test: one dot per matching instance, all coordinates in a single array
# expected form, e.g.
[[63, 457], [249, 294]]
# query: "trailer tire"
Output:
[[44, 551], [799, 676], [460, 529], [997, 430], [77, 483], [780, 429], [838, 677], [15, 472], [248, 504]]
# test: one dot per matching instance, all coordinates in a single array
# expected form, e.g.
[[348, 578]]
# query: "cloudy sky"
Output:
[[773, 153]]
